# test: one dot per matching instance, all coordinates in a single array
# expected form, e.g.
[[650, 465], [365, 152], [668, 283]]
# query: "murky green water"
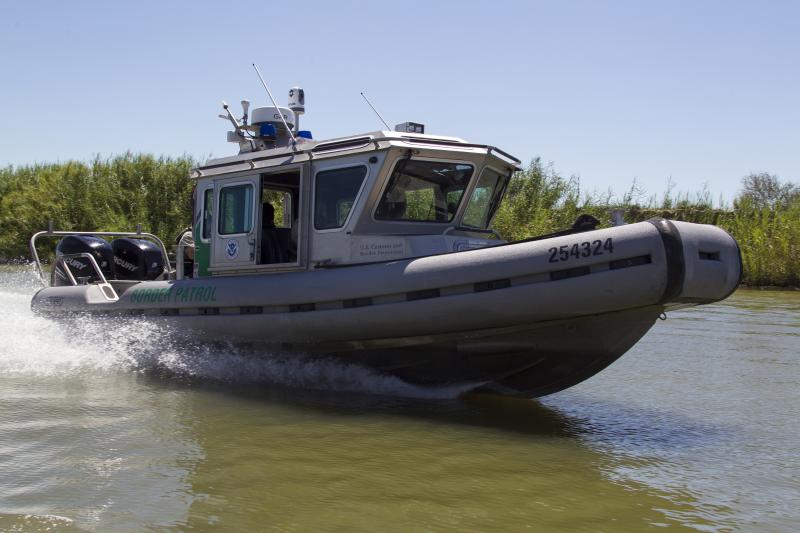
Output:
[[696, 427]]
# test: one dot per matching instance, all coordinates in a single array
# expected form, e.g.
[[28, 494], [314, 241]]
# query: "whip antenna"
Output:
[[376, 111], [288, 129]]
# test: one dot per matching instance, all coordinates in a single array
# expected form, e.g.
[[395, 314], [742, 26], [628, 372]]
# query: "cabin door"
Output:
[[235, 231]]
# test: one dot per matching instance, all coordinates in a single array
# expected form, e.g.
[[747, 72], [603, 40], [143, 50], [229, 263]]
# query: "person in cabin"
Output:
[[272, 250], [267, 216]]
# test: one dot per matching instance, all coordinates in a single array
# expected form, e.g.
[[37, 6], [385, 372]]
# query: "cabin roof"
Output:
[[334, 147]]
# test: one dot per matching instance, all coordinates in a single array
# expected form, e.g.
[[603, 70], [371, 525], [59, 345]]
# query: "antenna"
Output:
[[288, 129], [246, 109], [376, 111], [229, 116]]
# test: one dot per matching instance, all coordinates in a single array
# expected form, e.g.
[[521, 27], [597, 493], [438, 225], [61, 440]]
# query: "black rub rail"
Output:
[[411, 296]]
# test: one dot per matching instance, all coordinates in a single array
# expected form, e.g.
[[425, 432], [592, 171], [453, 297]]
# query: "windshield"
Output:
[[424, 191], [485, 199]]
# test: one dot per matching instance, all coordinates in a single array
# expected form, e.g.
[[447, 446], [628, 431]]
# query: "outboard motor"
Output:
[[81, 267], [137, 259]]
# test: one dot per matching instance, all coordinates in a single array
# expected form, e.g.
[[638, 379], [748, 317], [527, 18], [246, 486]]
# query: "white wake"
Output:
[[34, 345]]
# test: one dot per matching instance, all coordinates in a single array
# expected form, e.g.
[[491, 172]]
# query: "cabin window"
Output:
[[485, 199], [236, 209], [424, 191], [335, 192], [208, 213]]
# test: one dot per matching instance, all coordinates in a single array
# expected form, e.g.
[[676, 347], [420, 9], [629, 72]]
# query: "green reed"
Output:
[[764, 218], [113, 194], [117, 193]]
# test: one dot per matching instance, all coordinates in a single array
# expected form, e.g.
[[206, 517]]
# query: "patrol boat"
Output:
[[377, 250]]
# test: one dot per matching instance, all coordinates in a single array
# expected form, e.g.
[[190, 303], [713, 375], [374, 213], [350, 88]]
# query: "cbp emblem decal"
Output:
[[232, 249]]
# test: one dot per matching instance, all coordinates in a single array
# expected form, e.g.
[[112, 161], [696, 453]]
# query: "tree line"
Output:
[[109, 194], [117, 193], [764, 217]]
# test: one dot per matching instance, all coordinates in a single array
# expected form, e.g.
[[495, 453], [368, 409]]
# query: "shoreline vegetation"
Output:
[[116, 193]]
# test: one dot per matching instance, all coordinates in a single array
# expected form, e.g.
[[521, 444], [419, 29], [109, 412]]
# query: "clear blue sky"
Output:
[[699, 91]]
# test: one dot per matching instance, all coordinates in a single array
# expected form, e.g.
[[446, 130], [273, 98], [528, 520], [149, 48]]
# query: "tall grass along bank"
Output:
[[113, 194], [764, 217], [117, 193]]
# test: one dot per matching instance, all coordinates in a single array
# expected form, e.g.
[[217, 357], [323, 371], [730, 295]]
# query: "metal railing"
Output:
[[63, 261], [67, 268], [51, 233], [180, 262]]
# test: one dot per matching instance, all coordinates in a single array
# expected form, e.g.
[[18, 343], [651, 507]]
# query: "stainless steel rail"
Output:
[[357, 142], [456, 144], [108, 291], [62, 260], [136, 234]]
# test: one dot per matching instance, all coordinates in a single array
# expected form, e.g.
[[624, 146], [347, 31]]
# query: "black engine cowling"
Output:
[[137, 259], [81, 267]]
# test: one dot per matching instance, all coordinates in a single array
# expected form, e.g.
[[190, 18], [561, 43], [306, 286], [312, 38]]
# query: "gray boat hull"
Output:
[[526, 319], [529, 361]]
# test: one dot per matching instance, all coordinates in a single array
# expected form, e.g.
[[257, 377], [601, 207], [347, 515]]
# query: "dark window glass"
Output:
[[424, 191], [334, 194], [208, 212], [236, 209], [485, 199]]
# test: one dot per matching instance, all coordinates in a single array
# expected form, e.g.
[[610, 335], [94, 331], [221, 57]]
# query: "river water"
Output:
[[116, 429]]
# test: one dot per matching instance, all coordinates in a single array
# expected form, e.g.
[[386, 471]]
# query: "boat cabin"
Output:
[[288, 202]]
